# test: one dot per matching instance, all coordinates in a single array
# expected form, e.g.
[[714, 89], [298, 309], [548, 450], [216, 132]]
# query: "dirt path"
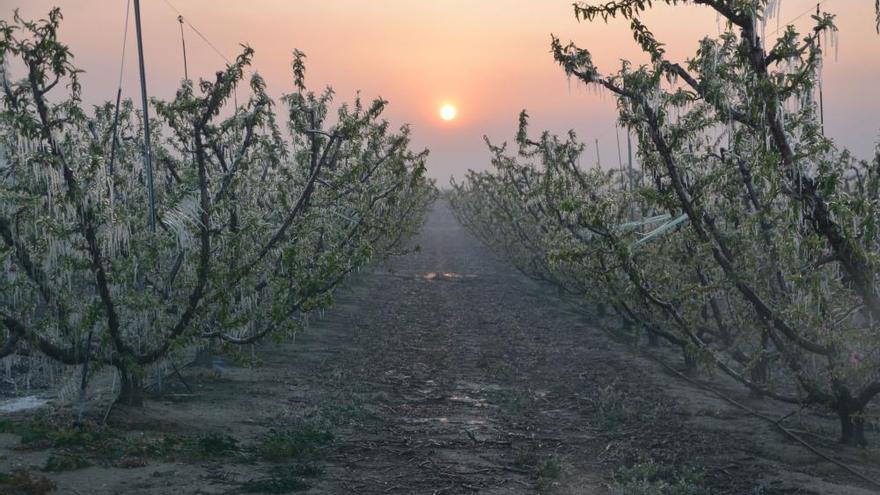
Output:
[[451, 374]]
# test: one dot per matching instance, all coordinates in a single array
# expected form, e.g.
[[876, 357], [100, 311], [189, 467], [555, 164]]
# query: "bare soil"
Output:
[[452, 373]]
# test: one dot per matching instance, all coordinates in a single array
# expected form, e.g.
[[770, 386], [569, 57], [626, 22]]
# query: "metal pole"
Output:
[[148, 159], [183, 42], [821, 102], [619, 157], [115, 143], [629, 153], [84, 380], [632, 186]]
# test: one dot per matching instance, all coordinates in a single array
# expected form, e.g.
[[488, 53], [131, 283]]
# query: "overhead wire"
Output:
[[815, 9], [115, 143], [124, 41], [183, 20], [799, 16], [198, 33]]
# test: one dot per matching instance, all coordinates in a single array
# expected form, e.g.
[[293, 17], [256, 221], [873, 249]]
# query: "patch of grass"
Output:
[[545, 470], [612, 407], [155, 447], [283, 479], [240, 356], [548, 468], [74, 438], [299, 441], [61, 463], [42, 433], [650, 478], [345, 409], [30, 432], [546, 473], [512, 402], [496, 367], [525, 459], [21, 482], [196, 447], [214, 445]]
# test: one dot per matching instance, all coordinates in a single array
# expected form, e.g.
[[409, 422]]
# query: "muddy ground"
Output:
[[448, 373]]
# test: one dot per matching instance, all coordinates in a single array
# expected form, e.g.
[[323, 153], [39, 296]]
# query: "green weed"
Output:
[[300, 441], [40, 433], [650, 478], [61, 463], [344, 410], [214, 445], [283, 479], [21, 482], [545, 470], [512, 402]]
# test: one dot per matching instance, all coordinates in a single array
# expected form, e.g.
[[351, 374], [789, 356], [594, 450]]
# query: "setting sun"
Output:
[[448, 112]]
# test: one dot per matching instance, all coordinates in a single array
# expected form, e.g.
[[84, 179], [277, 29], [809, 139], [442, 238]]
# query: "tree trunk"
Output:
[[653, 338], [690, 360], [628, 327], [760, 375], [852, 427], [131, 392]]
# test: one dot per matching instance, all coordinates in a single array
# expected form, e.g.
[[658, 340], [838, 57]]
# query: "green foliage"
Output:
[[285, 478], [612, 408], [344, 409], [650, 478], [513, 402], [301, 441], [543, 469], [22, 482], [61, 463], [42, 433], [215, 445], [171, 447]]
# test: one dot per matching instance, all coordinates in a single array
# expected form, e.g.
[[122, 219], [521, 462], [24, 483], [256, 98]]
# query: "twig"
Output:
[[177, 372], [107, 413], [780, 420]]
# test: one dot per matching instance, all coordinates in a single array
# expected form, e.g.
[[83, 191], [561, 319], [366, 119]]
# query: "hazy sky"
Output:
[[489, 57]]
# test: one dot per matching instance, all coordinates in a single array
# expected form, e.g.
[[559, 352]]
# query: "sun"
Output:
[[448, 112]]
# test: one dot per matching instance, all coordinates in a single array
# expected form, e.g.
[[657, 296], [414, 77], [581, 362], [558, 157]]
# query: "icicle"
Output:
[[835, 42]]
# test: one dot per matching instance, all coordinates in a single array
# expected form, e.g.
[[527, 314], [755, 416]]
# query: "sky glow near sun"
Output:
[[492, 55], [448, 111]]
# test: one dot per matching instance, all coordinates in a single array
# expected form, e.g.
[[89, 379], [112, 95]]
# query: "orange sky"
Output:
[[489, 57]]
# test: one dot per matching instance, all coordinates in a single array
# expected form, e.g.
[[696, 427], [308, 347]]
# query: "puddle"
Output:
[[449, 276], [22, 404], [469, 400]]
